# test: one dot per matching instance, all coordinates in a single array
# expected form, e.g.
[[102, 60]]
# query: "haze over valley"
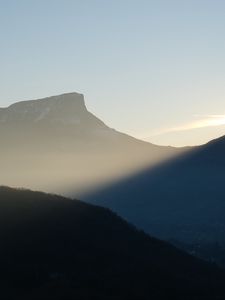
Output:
[[56, 145]]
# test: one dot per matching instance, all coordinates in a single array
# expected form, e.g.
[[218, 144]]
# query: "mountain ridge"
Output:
[[181, 199], [57, 107]]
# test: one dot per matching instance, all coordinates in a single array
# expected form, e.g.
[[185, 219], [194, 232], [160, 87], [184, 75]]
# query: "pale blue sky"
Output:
[[153, 69]]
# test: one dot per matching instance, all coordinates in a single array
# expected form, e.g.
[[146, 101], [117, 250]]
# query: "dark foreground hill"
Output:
[[56, 248]]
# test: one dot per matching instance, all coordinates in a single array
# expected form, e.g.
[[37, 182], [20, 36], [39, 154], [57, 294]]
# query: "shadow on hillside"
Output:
[[181, 198]]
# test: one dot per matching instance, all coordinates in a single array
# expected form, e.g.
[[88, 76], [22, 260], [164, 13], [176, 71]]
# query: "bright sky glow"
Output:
[[208, 121]]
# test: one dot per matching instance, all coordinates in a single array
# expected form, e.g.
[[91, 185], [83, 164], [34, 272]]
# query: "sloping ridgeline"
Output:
[[181, 199], [56, 248]]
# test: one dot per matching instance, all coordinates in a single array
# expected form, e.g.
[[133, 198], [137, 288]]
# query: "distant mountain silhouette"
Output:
[[52, 112], [56, 144], [182, 199], [56, 248]]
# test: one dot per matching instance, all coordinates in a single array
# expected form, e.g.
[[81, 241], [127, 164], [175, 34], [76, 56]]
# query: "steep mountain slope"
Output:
[[56, 144], [182, 199], [56, 248]]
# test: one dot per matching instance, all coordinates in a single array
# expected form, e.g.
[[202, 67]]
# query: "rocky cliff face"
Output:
[[66, 109]]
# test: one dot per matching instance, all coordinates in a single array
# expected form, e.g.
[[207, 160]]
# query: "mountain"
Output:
[[182, 199], [56, 144], [66, 111], [57, 248]]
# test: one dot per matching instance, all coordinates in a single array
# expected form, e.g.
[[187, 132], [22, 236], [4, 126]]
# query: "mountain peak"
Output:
[[73, 100], [61, 107]]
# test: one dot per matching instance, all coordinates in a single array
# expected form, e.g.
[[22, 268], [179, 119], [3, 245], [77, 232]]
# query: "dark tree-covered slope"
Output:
[[56, 248]]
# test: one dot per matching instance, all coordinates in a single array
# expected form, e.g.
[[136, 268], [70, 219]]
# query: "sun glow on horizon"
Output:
[[216, 120], [200, 130], [205, 121]]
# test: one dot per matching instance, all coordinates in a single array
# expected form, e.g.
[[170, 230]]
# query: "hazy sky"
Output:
[[153, 69]]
